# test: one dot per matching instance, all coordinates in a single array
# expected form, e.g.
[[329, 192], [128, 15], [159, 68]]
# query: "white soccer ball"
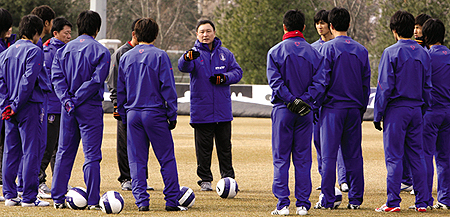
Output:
[[76, 198], [111, 202], [186, 197], [337, 201], [227, 188]]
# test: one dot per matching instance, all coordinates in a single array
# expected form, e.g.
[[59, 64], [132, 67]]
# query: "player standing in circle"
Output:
[[436, 121], [403, 93], [121, 148], [61, 31], [147, 102], [323, 29], [291, 65], [21, 101], [212, 69], [79, 71]]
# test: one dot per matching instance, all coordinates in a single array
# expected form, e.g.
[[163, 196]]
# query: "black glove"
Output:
[[191, 55], [172, 124], [377, 125], [299, 107], [218, 79], [116, 113]]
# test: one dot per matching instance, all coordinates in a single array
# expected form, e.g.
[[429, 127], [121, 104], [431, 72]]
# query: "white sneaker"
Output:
[[302, 211], [404, 187], [412, 192], [344, 187], [283, 211], [43, 195], [37, 202], [2, 198], [45, 188], [440, 205], [126, 185], [13, 202]]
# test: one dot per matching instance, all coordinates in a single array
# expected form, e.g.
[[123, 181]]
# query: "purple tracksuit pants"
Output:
[[402, 137], [144, 126], [85, 123], [341, 127], [291, 137]]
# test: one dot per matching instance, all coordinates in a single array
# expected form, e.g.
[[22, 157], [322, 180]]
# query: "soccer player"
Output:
[[404, 84], [147, 103], [418, 23], [291, 65], [121, 148], [323, 29], [79, 71], [343, 89], [21, 101], [5, 27], [47, 15], [61, 31], [212, 69], [436, 121]]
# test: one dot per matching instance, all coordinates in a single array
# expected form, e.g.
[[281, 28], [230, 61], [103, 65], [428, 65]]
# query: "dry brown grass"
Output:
[[253, 165]]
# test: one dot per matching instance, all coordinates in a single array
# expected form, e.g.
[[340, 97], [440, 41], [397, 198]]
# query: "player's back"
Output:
[[411, 63], [348, 62], [440, 76], [80, 59], [147, 72], [15, 63], [297, 62]]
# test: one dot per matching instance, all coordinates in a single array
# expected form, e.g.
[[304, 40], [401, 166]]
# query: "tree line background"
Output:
[[249, 28]]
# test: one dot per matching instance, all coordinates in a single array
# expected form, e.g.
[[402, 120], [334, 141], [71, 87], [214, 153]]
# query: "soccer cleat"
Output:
[[45, 188], [13, 202], [283, 211], [206, 186], [405, 187], [302, 211], [344, 187], [385, 208], [440, 205], [37, 202], [353, 206], [150, 188], [93, 207], [176, 208], [414, 207], [421, 209], [59, 205], [143, 208], [43, 195], [126, 185]]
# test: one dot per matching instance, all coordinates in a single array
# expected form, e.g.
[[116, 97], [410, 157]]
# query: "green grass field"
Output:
[[252, 159]]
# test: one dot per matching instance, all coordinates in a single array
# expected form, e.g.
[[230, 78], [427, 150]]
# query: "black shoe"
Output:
[[176, 208], [144, 208], [319, 188], [60, 205]]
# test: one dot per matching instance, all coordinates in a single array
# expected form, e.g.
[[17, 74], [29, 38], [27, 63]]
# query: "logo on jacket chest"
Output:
[[219, 67], [222, 57]]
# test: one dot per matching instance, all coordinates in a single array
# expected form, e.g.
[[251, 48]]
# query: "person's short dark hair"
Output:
[[294, 20], [403, 23], [134, 23], [321, 15], [88, 22], [202, 22], [30, 25], [59, 23], [340, 18], [5, 21], [421, 18], [433, 31], [146, 30], [44, 12]]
